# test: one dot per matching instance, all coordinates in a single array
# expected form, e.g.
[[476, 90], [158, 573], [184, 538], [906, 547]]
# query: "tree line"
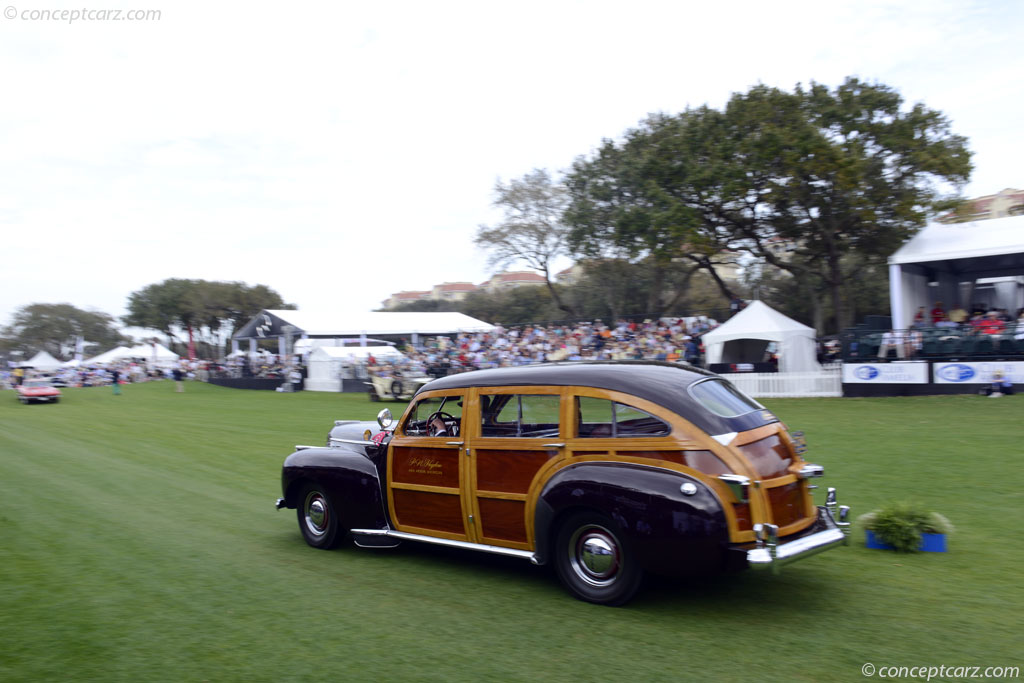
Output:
[[198, 312], [810, 189]]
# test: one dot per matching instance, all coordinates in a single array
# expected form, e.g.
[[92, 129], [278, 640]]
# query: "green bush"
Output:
[[900, 525]]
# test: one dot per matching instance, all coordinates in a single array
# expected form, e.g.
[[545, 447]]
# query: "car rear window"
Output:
[[723, 399]]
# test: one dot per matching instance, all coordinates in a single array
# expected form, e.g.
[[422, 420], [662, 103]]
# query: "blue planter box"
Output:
[[930, 543]]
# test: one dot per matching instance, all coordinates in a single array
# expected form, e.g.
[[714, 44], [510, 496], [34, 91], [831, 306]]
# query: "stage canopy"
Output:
[[979, 262], [744, 338]]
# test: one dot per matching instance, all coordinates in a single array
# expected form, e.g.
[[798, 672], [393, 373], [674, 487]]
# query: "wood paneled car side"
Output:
[[606, 470]]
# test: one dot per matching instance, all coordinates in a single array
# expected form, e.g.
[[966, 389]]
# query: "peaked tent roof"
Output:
[[110, 356], [757, 321], [42, 361], [146, 351], [270, 323], [797, 342]]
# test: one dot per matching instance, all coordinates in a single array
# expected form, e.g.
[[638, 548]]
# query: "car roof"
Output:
[[662, 383]]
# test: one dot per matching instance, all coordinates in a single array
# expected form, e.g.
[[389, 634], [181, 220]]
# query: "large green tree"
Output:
[[829, 172], [211, 310], [55, 327]]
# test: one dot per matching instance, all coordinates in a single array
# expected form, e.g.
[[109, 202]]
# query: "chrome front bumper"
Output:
[[833, 531]]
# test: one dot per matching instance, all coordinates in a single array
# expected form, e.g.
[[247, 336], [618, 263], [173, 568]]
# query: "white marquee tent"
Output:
[[326, 363], [42, 361], [158, 354], [744, 339], [111, 356]]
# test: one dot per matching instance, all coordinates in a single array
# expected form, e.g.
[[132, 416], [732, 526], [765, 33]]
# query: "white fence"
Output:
[[827, 382]]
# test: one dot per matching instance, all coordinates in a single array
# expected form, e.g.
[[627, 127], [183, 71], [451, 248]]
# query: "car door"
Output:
[[515, 436], [427, 471]]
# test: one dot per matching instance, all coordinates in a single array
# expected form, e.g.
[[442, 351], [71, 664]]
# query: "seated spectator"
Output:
[[893, 339], [920, 318], [958, 316], [938, 313], [1000, 386], [915, 342]]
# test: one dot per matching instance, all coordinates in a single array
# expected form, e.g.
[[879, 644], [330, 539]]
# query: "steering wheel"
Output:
[[451, 425]]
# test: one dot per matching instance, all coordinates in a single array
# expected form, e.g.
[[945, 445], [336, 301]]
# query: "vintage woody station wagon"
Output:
[[605, 470]]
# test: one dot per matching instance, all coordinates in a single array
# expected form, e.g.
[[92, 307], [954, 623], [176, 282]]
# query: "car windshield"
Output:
[[723, 398]]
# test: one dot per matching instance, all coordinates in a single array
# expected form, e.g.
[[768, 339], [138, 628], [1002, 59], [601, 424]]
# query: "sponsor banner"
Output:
[[908, 372], [977, 373]]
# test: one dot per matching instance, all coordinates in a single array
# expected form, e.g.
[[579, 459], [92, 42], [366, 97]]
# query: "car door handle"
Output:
[[454, 443], [554, 445]]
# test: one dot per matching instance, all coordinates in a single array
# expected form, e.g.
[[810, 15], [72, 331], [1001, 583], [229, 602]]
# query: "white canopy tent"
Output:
[[158, 354], [155, 353], [326, 364], [42, 361], [744, 339], [111, 356], [959, 264]]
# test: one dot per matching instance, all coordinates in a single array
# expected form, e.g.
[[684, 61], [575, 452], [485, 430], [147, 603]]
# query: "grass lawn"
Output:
[[139, 542]]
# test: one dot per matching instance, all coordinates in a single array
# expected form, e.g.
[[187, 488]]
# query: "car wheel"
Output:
[[595, 561], [373, 395], [318, 517], [396, 389]]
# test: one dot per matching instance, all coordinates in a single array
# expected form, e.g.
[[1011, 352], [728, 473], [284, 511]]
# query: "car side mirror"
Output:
[[384, 418]]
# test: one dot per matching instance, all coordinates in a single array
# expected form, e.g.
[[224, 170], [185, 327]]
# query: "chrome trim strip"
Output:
[[354, 441], [493, 549], [300, 447]]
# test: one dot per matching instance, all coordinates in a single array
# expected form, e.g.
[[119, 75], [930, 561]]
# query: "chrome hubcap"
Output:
[[317, 514], [595, 555]]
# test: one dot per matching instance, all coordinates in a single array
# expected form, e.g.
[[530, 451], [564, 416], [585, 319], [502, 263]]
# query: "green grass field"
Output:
[[139, 542]]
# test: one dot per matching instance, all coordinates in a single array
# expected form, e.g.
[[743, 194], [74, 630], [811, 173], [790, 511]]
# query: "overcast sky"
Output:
[[339, 151]]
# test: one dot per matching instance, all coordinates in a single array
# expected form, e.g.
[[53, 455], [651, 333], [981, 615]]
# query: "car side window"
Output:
[[601, 418], [435, 416], [520, 415]]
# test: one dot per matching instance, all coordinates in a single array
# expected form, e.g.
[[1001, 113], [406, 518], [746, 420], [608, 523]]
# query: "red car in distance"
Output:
[[38, 390]]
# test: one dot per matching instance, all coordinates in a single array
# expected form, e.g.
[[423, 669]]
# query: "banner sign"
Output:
[[977, 373], [907, 372]]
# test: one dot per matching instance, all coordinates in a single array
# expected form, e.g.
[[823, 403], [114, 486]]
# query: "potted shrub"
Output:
[[906, 527]]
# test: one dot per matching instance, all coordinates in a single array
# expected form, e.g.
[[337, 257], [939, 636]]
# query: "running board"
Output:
[[375, 534]]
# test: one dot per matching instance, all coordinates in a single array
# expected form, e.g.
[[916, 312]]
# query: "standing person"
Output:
[[178, 377], [115, 376]]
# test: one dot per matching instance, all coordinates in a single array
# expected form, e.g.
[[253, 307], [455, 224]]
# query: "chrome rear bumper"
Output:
[[771, 554]]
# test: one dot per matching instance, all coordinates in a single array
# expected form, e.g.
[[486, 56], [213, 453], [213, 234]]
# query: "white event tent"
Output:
[[744, 339], [157, 354], [42, 361], [326, 363], [959, 264]]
